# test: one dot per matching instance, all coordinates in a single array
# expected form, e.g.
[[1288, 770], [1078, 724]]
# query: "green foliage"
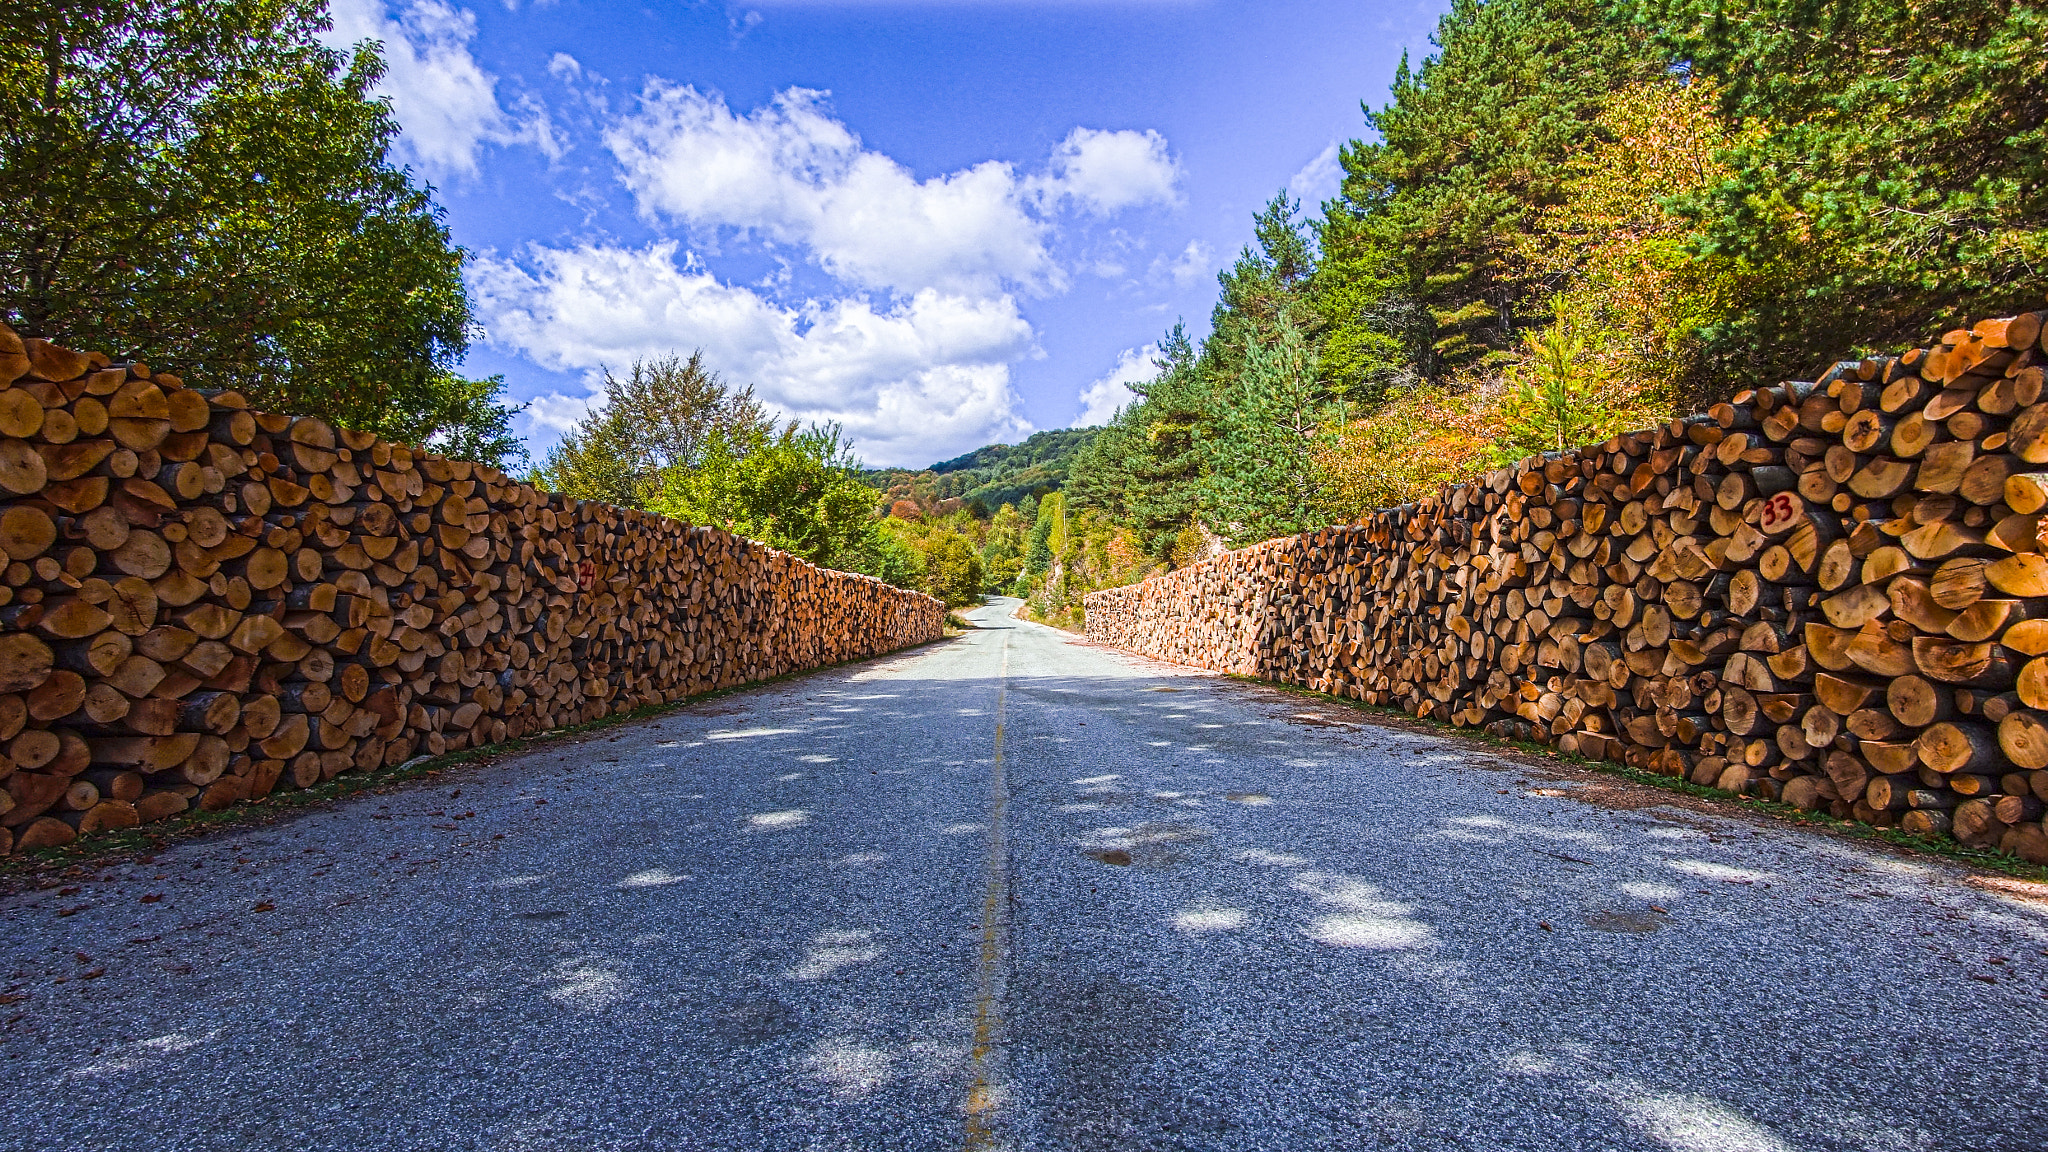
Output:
[[988, 478], [469, 421], [1266, 286], [1554, 400], [792, 489], [1261, 478], [943, 554], [1004, 474], [1093, 552], [1421, 439], [656, 422], [952, 569], [1048, 535], [1420, 242], [1003, 547], [885, 556], [206, 188], [1188, 547], [673, 438], [1038, 552], [1899, 173], [1578, 216], [1052, 513], [1143, 469], [1621, 260], [1225, 435]]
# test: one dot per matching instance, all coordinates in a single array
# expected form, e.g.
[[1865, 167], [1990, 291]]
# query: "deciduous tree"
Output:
[[660, 417], [205, 187]]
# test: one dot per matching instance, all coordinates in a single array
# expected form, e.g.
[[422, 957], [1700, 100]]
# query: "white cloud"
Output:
[[792, 174], [1109, 171], [926, 377], [1318, 180], [444, 100], [558, 413], [913, 352], [1100, 400], [1193, 263]]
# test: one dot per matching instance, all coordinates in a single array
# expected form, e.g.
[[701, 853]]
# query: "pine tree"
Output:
[[1261, 476], [1144, 467], [1471, 148], [1899, 176]]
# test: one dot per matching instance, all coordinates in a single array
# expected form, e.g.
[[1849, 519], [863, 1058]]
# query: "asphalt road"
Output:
[[1015, 891]]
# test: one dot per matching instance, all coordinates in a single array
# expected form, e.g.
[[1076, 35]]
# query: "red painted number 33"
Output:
[[586, 575], [1779, 513]]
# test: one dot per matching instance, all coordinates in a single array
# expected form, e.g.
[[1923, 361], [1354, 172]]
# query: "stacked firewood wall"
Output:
[[202, 603], [1832, 594]]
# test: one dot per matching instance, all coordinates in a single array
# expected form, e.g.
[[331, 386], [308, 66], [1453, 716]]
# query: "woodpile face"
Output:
[[203, 603], [1833, 594]]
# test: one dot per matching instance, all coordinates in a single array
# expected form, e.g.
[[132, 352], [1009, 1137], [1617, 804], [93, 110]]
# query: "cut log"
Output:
[[1953, 746], [1917, 702]]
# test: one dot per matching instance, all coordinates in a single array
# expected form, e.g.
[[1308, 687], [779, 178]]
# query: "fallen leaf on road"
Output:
[[266, 906], [152, 898], [1544, 924], [73, 910]]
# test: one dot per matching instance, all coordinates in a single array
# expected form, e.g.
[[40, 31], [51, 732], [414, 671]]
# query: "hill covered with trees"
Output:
[[987, 478]]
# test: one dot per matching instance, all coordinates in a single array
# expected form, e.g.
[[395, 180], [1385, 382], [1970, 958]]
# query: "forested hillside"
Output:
[[1573, 218], [987, 478]]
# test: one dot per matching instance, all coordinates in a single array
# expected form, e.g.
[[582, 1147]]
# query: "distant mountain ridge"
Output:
[[994, 475]]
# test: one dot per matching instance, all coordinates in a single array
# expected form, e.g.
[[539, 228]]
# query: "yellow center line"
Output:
[[981, 1096]]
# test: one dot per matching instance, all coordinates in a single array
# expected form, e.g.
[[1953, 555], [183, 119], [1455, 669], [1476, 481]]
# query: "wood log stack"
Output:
[[201, 603], [1831, 593]]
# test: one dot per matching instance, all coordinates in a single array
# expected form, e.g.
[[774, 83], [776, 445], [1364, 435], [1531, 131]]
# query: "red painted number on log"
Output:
[[1779, 512], [586, 575]]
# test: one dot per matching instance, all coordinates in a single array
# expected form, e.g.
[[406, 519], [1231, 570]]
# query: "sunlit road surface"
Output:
[[1159, 910]]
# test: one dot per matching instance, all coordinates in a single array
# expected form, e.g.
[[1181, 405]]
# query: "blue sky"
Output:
[[943, 223]]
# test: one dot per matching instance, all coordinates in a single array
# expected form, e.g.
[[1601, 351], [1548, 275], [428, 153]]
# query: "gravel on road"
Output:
[[1016, 891]]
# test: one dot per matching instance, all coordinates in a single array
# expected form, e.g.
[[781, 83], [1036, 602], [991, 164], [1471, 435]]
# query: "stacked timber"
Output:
[[200, 603], [1832, 593]]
